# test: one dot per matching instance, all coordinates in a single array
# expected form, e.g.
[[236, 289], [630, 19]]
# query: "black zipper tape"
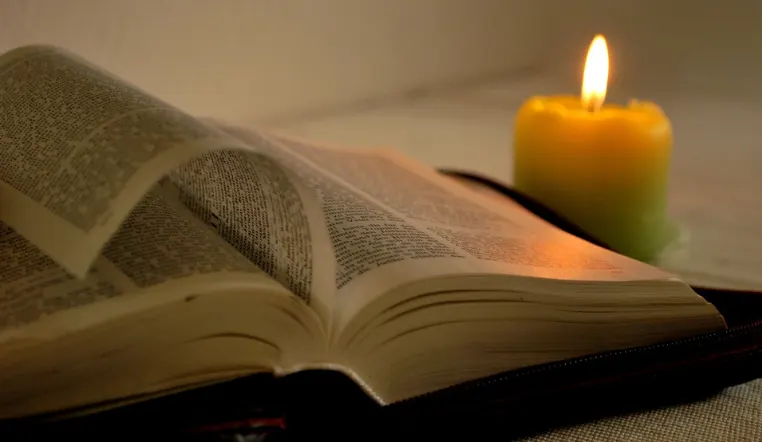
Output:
[[535, 399]]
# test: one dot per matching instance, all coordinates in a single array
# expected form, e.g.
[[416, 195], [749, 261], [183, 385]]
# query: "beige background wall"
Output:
[[667, 47], [271, 57], [247, 59]]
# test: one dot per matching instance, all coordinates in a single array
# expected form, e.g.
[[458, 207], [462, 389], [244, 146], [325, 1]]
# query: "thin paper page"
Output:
[[80, 149], [506, 237], [182, 255], [391, 224], [254, 202]]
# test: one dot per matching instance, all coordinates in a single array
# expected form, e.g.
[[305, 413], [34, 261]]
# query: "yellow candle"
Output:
[[602, 167]]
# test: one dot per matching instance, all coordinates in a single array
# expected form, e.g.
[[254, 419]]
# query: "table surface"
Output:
[[714, 197]]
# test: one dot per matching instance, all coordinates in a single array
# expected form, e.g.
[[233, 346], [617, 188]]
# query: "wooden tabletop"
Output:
[[715, 183]]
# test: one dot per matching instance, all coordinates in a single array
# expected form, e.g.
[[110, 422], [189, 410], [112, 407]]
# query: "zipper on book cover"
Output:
[[472, 389]]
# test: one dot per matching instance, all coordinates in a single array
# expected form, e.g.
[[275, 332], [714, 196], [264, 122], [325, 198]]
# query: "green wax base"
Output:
[[631, 220], [646, 247]]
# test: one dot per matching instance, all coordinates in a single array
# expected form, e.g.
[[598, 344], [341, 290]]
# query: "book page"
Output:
[[161, 249], [417, 224], [80, 147], [253, 201]]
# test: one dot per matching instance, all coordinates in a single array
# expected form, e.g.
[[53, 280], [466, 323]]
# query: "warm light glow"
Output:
[[596, 76]]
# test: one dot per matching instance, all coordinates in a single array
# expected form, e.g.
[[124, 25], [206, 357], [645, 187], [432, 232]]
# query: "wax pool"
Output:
[[605, 171]]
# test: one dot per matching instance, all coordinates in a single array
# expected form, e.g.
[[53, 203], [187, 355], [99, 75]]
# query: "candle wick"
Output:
[[593, 105]]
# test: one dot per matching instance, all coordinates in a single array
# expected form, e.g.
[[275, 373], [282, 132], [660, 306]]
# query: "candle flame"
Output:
[[596, 76]]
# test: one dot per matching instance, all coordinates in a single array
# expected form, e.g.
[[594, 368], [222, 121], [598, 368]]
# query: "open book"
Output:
[[144, 250]]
